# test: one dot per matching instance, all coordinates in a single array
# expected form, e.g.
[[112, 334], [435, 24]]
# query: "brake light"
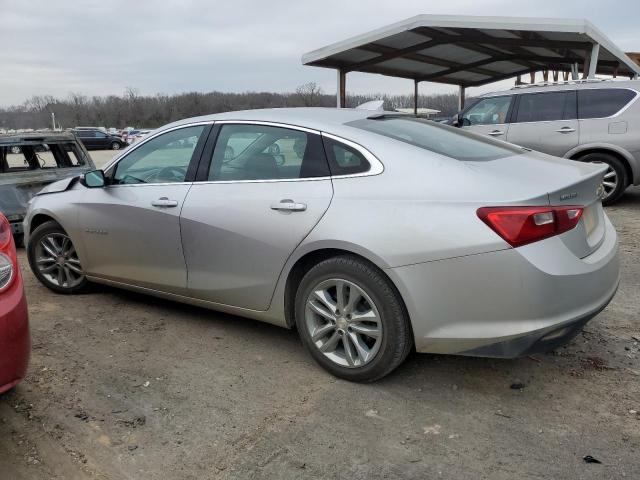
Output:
[[519, 226], [8, 257]]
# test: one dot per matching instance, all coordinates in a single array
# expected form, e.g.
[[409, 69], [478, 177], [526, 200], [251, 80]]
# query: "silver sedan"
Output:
[[372, 233]]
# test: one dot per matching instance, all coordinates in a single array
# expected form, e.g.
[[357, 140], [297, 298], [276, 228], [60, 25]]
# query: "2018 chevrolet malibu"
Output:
[[372, 233]]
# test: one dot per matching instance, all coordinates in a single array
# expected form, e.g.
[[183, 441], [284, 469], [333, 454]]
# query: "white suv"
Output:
[[589, 121]]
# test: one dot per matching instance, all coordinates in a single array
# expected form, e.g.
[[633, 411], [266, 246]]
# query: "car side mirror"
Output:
[[93, 179]]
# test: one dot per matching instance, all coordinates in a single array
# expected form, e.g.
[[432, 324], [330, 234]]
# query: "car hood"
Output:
[[59, 186]]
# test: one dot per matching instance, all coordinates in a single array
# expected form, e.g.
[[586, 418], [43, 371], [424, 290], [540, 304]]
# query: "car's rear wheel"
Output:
[[615, 179], [115, 146], [54, 260], [352, 320]]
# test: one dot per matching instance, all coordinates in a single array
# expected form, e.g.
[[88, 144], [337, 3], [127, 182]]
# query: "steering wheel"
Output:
[[170, 174]]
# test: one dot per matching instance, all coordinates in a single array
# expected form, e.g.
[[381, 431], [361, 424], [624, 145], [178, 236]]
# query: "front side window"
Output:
[[163, 159], [488, 111], [442, 139], [545, 107], [603, 102], [261, 152]]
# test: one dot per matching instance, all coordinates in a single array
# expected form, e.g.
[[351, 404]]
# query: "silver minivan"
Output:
[[591, 121]]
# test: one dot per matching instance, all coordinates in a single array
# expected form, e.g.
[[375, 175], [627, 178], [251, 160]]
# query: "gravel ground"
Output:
[[123, 386]]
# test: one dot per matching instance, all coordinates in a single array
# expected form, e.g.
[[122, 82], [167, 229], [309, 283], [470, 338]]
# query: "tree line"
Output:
[[140, 111]]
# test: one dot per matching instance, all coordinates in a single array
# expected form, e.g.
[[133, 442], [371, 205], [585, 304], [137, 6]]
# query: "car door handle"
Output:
[[289, 206], [164, 202], [566, 130], [495, 133]]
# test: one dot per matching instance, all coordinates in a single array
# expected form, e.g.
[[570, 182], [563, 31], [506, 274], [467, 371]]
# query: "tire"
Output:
[[116, 146], [616, 175], [47, 267], [376, 297]]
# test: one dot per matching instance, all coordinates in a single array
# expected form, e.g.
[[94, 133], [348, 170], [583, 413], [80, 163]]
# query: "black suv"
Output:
[[99, 140]]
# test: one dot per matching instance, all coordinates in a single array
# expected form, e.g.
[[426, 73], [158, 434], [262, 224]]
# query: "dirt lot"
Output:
[[123, 386]]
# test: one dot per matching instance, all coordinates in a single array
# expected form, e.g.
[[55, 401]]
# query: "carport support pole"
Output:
[[461, 97], [415, 97], [593, 62], [342, 89]]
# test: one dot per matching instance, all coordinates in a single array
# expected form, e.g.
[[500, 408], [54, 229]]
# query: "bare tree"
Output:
[[310, 94]]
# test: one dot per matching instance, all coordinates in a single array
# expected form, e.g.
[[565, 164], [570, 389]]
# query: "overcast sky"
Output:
[[101, 47]]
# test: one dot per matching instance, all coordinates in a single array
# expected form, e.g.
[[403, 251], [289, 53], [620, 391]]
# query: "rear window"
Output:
[[444, 140], [605, 102]]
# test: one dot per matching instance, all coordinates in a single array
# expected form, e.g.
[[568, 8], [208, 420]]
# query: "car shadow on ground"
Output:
[[482, 375]]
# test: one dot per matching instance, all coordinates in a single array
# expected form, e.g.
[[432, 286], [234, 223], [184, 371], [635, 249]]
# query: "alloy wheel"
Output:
[[58, 262], [610, 181], [343, 322]]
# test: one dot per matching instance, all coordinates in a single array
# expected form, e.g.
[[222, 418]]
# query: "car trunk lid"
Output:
[[538, 179]]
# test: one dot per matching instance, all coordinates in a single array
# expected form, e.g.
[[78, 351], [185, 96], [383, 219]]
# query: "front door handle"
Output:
[[288, 205], [566, 130], [495, 133], [164, 202]]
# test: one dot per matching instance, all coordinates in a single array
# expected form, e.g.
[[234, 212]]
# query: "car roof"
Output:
[[570, 85], [314, 118], [31, 137]]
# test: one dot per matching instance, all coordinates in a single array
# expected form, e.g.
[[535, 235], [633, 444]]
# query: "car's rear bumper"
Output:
[[15, 341], [510, 302]]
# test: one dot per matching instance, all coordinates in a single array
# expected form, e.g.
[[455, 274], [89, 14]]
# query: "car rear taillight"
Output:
[[8, 258], [519, 226]]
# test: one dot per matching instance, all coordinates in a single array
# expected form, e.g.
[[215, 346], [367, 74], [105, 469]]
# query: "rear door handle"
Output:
[[495, 133], [289, 206], [164, 202], [566, 130]]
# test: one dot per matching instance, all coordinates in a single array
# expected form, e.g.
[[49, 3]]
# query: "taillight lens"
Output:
[[519, 226], [8, 258]]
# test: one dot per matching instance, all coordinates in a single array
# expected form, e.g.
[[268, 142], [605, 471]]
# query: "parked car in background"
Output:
[[30, 161], [15, 341], [136, 135], [99, 140], [372, 233], [588, 121]]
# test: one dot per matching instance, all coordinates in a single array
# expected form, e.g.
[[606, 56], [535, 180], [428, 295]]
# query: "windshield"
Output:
[[442, 139]]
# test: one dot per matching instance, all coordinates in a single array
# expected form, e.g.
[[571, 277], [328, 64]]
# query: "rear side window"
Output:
[[545, 107], [448, 141], [343, 159], [245, 152], [601, 103]]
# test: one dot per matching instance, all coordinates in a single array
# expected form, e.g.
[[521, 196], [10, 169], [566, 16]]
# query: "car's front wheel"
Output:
[[53, 259], [115, 146], [352, 320]]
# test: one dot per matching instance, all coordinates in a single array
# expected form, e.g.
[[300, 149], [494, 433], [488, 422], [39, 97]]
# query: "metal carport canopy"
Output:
[[470, 51]]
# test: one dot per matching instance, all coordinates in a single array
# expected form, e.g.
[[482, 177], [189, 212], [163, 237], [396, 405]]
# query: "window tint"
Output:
[[260, 152], [442, 139], [164, 159], [600, 103], [542, 107], [344, 160], [488, 111]]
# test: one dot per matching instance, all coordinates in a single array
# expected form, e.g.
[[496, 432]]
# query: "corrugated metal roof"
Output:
[[471, 51]]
